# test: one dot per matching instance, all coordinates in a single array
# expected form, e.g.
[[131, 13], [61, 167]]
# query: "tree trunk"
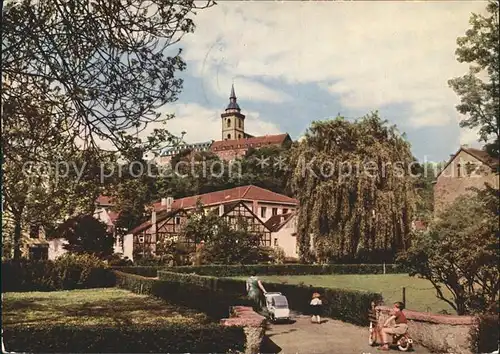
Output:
[[17, 237]]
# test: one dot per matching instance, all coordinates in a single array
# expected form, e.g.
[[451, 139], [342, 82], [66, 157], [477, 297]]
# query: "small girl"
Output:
[[316, 304]]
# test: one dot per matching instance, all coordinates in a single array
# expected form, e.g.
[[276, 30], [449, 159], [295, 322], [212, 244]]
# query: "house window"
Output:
[[285, 210], [38, 253], [177, 220], [34, 231], [266, 239], [263, 212], [228, 123], [239, 136], [229, 136], [239, 124], [458, 171], [276, 242], [275, 211]]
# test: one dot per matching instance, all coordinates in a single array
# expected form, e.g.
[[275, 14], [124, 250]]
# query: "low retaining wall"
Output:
[[440, 333], [254, 326]]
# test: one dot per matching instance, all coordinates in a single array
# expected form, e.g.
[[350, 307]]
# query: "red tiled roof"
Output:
[[104, 200], [276, 222], [249, 142], [479, 154], [482, 156], [251, 193]]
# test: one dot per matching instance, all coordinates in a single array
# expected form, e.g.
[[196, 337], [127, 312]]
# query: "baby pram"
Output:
[[277, 307]]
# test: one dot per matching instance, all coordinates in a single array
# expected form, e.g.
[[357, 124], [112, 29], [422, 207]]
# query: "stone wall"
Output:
[[439, 333], [253, 324]]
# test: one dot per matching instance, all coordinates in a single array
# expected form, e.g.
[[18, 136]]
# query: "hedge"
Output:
[[212, 302], [145, 271], [168, 338], [65, 273], [347, 305], [287, 269], [485, 338]]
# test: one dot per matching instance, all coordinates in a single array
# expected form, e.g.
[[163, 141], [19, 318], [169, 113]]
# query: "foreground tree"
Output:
[[356, 194], [106, 66], [479, 90], [460, 253]]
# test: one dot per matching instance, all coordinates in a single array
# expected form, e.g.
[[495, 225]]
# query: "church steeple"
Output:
[[233, 122], [232, 101]]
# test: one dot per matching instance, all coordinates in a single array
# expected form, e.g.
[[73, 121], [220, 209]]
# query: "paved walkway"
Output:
[[304, 337]]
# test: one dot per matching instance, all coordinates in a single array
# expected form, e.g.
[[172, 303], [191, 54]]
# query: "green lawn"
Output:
[[420, 294], [92, 307]]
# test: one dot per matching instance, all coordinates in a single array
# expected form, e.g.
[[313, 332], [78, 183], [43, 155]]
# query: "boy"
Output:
[[400, 328]]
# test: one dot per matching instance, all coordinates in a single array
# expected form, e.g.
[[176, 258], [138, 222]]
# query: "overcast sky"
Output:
[[296, 62]]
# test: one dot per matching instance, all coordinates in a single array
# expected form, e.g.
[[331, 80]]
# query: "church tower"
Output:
[[233, 122]]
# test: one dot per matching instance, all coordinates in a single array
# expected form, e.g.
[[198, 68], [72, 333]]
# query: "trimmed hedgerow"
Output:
[[145, 271], [484, 337], [67, 272], [343, 304], [165, 338], [287, 269], [209, 300]]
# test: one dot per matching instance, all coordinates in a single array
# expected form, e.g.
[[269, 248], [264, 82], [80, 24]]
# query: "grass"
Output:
[[92, 307], [420, 294]]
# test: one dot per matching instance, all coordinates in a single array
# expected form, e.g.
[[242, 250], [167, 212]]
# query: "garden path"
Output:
[[329, 337]]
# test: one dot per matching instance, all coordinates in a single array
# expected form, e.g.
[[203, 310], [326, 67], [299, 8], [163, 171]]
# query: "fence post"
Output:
[[384, 267], [404, 296]]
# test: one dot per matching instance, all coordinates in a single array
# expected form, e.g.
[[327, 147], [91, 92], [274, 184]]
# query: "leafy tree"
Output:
[[427, 173], [223, 243], [460, 253], [86, 234], [107, 67], [272, 174], [479, 90], [202, 225], [353, 183], [233, 244]]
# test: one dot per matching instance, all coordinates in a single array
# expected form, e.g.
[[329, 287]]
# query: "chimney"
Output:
[[221, 209], [163, 201], [153, 222], [169, 202]]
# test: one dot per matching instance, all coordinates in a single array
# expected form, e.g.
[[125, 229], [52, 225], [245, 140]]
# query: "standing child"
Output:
[[316, 304]]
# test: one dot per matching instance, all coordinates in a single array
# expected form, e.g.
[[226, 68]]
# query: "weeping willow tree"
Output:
[[354, 182]]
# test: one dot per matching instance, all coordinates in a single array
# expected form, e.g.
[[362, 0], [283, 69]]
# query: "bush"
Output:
[[145, 271], [178, 290], [346, 305], [65, 273], [485, 337], [288, 269], [169, 338]]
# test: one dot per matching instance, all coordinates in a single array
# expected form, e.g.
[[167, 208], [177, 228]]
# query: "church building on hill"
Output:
[[235, 141]]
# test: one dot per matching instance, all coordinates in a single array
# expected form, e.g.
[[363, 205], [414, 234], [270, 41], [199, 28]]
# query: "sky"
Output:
[[296, 62]]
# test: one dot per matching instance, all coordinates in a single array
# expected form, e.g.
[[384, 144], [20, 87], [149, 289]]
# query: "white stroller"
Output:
[[277, 307]]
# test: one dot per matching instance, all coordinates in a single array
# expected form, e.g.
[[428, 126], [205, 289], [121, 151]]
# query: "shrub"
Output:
[[288, 269], [168, 338], [347, 305], [66, 272], [484, 338], [179, 290], [145, 271]]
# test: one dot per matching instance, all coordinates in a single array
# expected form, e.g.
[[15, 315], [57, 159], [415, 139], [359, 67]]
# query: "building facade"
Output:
[[467, 168]]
